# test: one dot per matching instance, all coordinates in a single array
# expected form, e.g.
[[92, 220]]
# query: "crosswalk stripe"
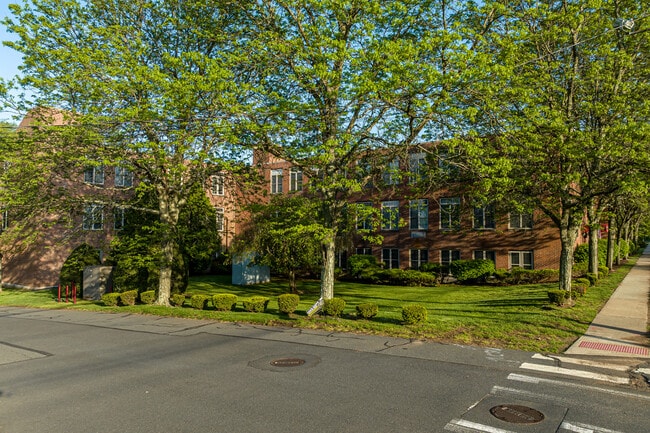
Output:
[[464, 426], [585, 428], [576, 373], [585, 362]]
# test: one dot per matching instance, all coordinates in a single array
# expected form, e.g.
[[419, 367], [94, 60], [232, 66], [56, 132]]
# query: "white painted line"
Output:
[[584, 362], [530, 395], [538, 380], [575, 373], [464, 426], [585, 428]]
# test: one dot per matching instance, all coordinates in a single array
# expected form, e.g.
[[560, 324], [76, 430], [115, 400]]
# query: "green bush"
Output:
[[405, 277], [361, 264], [333, 307], [557, 296], [288, 302], [431, 268], [200, 302], [584, 281], [255, 304], [531, 276], [603, 271], [111, 299], [224, 301], [177, 299], [148, 297], [624, 248], [471, 270], [73, 267], [413, 314], [367, 311], [592, 278], [128, 297], [579, 289]]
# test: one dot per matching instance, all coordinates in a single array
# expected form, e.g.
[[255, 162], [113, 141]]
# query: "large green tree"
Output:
[[566, 113], [140, 83], [330, 82]]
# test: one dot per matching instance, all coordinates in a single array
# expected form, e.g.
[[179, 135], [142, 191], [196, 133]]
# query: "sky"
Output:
[[9, 59]]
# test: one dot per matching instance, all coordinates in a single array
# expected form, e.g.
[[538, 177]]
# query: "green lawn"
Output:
[[514, 317]]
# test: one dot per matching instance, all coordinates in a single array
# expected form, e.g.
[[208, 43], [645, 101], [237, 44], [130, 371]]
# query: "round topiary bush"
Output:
[[111, 299], [557, 296], [255, 304], [177, 299], [224, 301], [367, 311], [200, 302], [413, 314], [128, 297], [333, 307], [288, 302], [148, 297]]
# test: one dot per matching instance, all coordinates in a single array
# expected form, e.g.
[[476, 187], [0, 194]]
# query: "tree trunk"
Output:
[[327, 276], [292, 281], [0, 272], [594, 226], [610, 246], [568, 235], [169, 205]]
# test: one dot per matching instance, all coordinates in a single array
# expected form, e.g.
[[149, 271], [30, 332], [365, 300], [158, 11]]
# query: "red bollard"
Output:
[[59, 297], [74, 293], [66, 292]]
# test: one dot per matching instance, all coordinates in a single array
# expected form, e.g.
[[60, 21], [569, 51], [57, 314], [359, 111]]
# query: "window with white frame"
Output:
[[419, 214], [390, 215], [220, 218], [363, 251], [391, 173], [521, 259], [450, 213], [123, 177], [485, 255], [417, 163], [418, 257], [448, 256], [94, 175], [390, 258], [295, 180], [217, 184], [119, 217], [276, 181], [520, 220], [93, 217], [364, 215], [484, 217]]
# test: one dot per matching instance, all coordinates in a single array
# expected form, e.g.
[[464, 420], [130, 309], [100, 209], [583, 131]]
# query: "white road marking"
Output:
[[464, 426], [538, 380], [585, 428], [584, 362], [575, 373], [530, 395]]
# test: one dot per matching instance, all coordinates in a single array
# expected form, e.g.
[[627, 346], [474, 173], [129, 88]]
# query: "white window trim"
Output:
[[421, 206], [521, 255], [390, 207], [89, 217], [217, 185], [453, 203], [123, 177], [276, 181]]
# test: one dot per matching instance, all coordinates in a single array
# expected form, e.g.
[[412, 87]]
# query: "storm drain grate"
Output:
[[287, 362], [517, 414], [614, 347]]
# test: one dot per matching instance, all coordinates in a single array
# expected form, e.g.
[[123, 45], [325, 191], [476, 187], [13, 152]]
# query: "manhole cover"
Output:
[[517, 414], [287, 362]]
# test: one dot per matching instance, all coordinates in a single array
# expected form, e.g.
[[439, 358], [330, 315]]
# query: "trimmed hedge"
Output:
[[368, 310], [333, 307], [413, 314], [224, 301], [128, 297], [255, 304], [288, 302], [177, 299], [148, 297], [200, 302], [557, 296], [111, 299], [471, 270], [361, 264], [592, 278]]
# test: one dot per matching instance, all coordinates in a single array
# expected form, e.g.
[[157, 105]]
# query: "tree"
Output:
[[566, 114], [141, 85], [331, 82]]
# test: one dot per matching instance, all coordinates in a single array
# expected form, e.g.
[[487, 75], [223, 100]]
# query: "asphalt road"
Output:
[[68, 371]]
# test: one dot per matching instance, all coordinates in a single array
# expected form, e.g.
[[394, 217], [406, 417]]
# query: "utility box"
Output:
[[245, 274], [97, 281]]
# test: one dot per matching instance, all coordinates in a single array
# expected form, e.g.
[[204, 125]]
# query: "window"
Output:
[[417, 164], [365, 251], [419, 214], [485, 255], [391, 173], [119, 218], [220, 218], [295, 180], [484, 217], [450, 213], [446, 164], [521, 220], [123, 177], [448, 256], [390, 215], [418, 257], [93, 218], [390, 257], [364, 216], [521, 259], [94, 175], [276, 181], [216, 185]]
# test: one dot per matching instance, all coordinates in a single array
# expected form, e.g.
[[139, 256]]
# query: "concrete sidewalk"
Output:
[[621, 328]]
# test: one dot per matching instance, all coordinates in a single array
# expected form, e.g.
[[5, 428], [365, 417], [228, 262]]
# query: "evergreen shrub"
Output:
[[333, 307], [177, 299], [405, 277], [557, 296], [471, 270], [111, 299], [584, 281], [581, 254], [200, 302], [128, 297], [224, 301], [413, 314], [367, 310], [360, 265], [592, 278], [255, 304], [288, 302], [148, 297], [603, 271]]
